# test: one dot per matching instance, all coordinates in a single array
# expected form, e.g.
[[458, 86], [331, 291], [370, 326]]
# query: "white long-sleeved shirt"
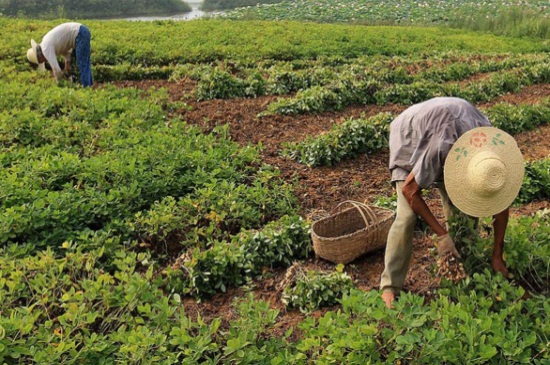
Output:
[[59, 42]]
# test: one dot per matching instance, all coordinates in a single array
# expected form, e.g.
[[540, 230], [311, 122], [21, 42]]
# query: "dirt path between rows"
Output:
[[321, 189]]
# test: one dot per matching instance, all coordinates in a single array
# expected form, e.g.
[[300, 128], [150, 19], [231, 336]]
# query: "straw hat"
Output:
[[32, 55], [483, 171]]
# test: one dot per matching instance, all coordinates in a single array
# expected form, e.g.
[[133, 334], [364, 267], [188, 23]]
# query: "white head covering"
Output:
[[32, 55]]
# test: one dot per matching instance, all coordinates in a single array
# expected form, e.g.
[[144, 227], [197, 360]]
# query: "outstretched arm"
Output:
[[67, 69], [500, 222], [413, 193]]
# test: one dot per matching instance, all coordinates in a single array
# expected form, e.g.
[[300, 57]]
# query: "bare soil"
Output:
[[321, 189]]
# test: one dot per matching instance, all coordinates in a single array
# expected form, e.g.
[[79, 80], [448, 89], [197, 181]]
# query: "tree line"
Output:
[[213, 5], [90, 8]]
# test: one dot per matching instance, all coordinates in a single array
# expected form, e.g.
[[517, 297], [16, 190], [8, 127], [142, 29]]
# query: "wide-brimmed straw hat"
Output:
[[484, 171], [32, 55]]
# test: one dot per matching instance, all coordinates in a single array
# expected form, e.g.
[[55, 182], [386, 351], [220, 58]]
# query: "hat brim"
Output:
[[461, 190], [32, 56]]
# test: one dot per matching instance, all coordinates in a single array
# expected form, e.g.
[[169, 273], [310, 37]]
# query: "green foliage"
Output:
[[220, 84], [165, 43], [215, 211], [127, 71], [355, 136], [212, 5], [536, 181], [225, 264], [86, 9], [528, 19], [349, 89], [249, 335], [528, 254], [386, 202], [514, 119], [513, 21], [72, 310], [54, 196], [363, 80], [344, 140], [470, 330], [99, 187], [309, 290]]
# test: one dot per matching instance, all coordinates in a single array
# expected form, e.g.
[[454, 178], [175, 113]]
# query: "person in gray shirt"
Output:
[[420, 140]]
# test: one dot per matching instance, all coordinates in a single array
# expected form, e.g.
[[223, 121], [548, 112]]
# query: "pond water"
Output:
[[193, 14]]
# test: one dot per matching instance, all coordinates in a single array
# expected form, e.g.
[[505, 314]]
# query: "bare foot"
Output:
[[388, 297], [499, 266]]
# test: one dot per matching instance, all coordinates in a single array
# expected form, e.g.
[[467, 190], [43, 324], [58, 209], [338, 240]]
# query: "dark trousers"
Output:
[[82, 53]]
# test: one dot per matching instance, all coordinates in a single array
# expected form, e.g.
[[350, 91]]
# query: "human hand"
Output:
[[445, 244]]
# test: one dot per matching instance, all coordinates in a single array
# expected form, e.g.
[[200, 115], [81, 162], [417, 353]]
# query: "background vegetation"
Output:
[[86, 9], [508, 17], [212, 5], [114, 211]]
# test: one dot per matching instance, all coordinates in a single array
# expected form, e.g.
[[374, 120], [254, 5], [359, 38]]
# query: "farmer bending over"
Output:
[[60, 41], [482, 176]]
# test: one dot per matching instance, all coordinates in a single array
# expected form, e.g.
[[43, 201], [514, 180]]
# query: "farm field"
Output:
[[525, 18], [163, 215], [429, 11]]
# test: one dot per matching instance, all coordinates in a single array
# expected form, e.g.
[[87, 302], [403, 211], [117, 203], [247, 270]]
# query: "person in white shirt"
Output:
[[60, 41]]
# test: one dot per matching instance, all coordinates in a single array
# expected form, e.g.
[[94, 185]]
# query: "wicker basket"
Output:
[[352, 232]]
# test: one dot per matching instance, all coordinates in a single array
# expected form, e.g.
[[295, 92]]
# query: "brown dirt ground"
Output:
[[321, 189]]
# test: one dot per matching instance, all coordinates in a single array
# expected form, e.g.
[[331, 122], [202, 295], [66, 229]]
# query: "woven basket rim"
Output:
[[390, 213], [356, 243]]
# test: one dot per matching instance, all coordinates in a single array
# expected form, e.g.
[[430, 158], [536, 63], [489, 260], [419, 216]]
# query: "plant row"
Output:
[[368, 135], [388, 12], [226, 79], [234, 263], [346, 92], [206, 270], [536, 181], [164, 43], [290, 77], [501, 17], [77, 162], [75, 309]]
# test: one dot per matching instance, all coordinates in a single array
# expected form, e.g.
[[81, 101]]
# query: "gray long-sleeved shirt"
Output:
[[422, 136]]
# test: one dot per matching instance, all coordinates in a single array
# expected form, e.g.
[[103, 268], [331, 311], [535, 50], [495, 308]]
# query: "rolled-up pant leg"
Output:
[[399, 245]]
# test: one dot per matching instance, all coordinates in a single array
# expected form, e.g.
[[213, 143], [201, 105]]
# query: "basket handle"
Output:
[[363, 208]]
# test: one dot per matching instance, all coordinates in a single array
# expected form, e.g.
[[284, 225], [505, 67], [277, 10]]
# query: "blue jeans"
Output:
[[82, 52]]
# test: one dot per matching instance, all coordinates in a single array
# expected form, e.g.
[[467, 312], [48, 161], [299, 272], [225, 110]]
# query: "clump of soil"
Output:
[[449, 268]]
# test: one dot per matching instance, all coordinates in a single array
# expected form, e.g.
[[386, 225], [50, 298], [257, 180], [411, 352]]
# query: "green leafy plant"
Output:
[[535, 182], [309, 290], [343, 141]]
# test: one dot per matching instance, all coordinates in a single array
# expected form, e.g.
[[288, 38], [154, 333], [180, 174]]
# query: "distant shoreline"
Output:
[[195, 13]]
